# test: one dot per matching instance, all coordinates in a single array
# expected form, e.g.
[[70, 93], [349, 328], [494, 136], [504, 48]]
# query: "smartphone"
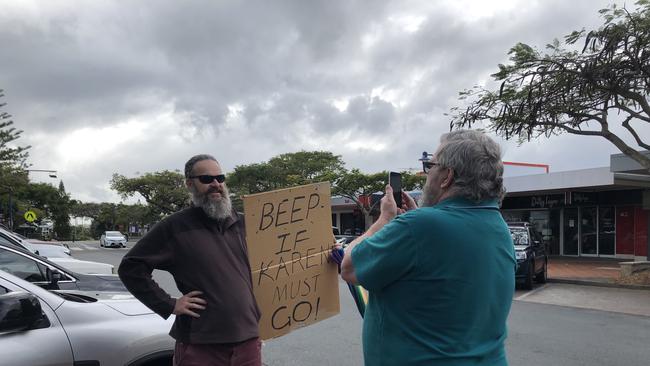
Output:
[[395, 181]]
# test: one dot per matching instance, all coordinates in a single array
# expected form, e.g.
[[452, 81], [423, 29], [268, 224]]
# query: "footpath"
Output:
[[604, 272]]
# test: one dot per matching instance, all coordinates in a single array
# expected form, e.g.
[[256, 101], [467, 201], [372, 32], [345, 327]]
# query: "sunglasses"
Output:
[[427, 165], [207, 179]]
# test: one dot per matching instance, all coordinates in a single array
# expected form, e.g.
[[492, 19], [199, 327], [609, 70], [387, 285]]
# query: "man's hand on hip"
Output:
[[189, 302]]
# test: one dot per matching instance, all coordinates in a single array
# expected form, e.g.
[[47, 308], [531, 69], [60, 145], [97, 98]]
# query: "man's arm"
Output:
[[136, 268], [388, 210]]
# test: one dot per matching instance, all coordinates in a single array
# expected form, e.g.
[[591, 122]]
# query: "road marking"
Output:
[[521, 297], [610, 268]]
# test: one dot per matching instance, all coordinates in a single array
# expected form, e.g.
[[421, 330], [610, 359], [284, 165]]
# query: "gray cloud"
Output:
[[249, 80]]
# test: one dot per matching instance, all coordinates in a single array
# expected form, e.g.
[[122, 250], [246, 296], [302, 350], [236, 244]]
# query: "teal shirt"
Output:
[[441, 281]]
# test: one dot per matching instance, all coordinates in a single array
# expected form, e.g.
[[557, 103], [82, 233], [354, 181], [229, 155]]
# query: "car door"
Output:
[[538, 248], [32, 270], [48, 346]]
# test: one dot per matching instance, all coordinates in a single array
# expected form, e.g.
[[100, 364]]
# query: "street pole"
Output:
[[11, 213]]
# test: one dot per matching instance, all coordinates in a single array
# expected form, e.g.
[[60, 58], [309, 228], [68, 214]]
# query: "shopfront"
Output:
[[608, 223]]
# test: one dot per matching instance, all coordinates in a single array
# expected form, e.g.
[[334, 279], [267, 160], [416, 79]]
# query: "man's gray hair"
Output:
[[195, 159], [476, 161]]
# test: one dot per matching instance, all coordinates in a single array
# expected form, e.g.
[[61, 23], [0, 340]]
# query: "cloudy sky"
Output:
[[103, 87]]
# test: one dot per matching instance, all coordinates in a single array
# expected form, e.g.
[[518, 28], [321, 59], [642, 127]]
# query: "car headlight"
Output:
[[520, 255]]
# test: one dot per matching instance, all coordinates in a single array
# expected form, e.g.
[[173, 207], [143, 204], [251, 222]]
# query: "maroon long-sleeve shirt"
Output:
[[201, 254]]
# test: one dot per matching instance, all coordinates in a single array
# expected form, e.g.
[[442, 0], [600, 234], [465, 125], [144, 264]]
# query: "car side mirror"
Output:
[[54, 276], [21, 311]]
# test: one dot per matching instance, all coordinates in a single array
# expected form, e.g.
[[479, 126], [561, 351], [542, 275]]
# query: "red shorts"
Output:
[[246, 353]]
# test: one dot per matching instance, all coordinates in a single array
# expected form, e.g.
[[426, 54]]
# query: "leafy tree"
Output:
[[61, 213], [13, 156], [49, 203], [283, 171], [85, 209], [572, 90], [12, 164], [164, 192]]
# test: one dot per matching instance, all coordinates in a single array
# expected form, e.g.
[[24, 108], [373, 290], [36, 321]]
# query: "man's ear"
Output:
[[188, 183], [449, 179]]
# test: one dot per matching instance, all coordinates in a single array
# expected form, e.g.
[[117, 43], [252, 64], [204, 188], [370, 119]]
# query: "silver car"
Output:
[[40, 327], [112, 239]]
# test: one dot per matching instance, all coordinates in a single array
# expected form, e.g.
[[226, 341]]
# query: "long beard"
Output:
[[218, 208]]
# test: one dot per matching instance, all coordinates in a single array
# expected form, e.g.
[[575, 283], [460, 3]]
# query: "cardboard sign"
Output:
[[289, 235]]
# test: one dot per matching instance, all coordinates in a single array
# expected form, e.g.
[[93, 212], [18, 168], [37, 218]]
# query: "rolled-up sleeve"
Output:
[[386, 256]]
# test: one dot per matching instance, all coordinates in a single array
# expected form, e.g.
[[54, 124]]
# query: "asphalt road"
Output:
[[554, 324]]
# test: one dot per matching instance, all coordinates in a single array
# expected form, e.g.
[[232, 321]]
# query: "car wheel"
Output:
[[542, 276], [528, 282]]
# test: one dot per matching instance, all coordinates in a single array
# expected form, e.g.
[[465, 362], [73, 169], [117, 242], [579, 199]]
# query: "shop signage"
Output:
[[547, 201]]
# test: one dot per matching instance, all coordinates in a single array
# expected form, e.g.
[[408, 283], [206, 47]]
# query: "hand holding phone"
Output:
[[395, 182]]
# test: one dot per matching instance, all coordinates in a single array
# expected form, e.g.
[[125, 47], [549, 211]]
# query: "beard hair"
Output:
[[216, 209], [427, 199]]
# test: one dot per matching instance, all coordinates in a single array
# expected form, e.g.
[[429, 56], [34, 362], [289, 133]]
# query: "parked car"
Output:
[[42, 272], [40, 327], [532, 260], [112, 239], [35, 245], [346, 239], [57, 254]]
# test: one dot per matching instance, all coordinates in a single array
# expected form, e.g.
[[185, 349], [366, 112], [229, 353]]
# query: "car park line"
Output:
[[528, 293]]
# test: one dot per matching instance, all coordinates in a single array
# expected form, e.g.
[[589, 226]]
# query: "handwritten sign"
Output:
[[289, 235]]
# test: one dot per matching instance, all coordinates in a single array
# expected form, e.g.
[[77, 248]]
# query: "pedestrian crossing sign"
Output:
[[30, 216]]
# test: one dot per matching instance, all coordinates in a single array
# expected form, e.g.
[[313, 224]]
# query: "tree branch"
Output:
[[626, 124]]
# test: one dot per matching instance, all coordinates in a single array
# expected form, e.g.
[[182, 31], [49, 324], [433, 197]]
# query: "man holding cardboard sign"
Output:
[[204, 248]]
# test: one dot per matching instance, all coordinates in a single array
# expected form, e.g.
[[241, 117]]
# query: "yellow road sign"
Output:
[[30, 216]]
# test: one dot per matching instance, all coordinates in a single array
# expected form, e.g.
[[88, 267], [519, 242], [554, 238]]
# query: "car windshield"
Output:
[[113, 233], [519, 236]]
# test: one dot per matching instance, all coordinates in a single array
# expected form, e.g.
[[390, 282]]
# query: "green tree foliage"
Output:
[[49, 203], [286, 170], [283, 171], [573, 89], [10, 155], [12, 164], [61, 214], [164, 192]]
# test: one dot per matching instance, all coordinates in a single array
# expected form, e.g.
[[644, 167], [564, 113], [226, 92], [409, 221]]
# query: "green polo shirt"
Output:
[[441, 281]]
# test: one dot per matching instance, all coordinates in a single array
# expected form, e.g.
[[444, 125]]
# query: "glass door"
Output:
[[571, 231], [606, 231], [589, 231]]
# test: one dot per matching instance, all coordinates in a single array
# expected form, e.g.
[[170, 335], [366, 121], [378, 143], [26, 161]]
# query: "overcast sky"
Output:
[[103, 87]]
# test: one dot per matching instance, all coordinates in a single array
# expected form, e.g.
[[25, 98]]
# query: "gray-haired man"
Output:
[[204, 248], [440, 277]]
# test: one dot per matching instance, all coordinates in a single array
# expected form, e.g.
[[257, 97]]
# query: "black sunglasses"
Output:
[[427, 165], [207, 179]]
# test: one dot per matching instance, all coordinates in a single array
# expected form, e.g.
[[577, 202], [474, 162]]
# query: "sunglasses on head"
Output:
[[207, 179]]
